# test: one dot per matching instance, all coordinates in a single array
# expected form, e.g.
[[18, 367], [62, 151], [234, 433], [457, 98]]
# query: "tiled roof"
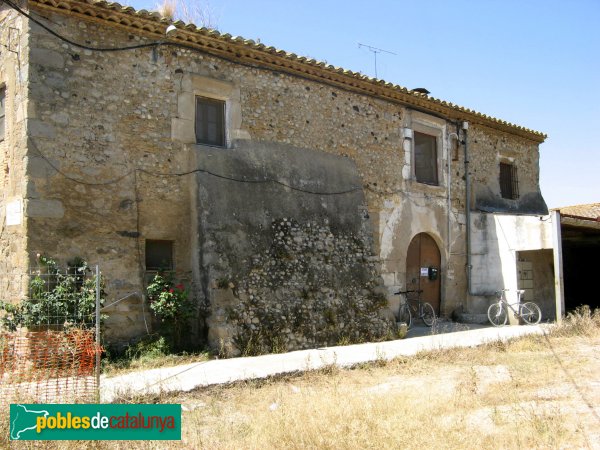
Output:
[[590, 211], [250, 52]]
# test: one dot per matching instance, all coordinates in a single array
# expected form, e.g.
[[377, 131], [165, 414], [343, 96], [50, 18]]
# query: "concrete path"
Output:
[[219, 371]]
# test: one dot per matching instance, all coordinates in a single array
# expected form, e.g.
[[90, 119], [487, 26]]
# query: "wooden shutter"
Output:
[[509, 182], [210, 121], [426, 158]]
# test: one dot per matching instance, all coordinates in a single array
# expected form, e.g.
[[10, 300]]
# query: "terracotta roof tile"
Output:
[[589, 211], [425, 101]]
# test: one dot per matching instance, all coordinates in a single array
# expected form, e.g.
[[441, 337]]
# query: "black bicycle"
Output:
[[415, 308]]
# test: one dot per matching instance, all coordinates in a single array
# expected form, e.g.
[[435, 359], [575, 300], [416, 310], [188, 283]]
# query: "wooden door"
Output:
[[423, 254]]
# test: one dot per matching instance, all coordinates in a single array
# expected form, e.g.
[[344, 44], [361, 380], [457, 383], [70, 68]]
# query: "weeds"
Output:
[[581, 322], [446, 396], [151, 352], [344, 340], [329, 367], [392, 404], [380, 357]]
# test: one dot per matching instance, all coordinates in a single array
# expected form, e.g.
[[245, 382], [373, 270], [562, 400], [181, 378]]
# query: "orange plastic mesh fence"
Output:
[[48, 366]]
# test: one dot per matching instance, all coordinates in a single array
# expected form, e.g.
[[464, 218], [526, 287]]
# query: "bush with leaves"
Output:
[[56, 298], [171, 305]]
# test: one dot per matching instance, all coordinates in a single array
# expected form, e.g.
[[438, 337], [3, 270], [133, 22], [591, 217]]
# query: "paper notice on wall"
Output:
[[424, 271], [14, 212]]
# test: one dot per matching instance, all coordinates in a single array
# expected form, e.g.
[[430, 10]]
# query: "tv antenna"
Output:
[[375, 50]]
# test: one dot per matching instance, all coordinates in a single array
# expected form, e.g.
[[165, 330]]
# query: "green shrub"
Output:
[[171, 305], [55, 298], [151, 347]]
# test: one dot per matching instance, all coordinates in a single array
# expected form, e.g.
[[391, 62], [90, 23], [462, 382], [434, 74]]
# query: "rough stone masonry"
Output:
[[292, 235]]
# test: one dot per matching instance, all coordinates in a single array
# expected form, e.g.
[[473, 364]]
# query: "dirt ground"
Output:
[[537, 392], [534, 392]]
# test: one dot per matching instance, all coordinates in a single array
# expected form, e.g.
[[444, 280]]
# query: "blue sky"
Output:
[[535, 63]]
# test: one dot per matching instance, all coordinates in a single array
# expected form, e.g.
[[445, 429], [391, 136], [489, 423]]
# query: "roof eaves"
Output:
[[235, 47]]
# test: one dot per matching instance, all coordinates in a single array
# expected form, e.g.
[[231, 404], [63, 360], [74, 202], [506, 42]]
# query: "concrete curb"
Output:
[[191, 376]]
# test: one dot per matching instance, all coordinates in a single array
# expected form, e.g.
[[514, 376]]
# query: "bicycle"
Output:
[[498, 312], [417, 308]]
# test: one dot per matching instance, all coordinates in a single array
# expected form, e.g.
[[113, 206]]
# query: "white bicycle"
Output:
[[498, 312]]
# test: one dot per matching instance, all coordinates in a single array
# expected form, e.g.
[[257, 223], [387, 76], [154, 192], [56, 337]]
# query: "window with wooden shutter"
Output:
[[210, 121], [509, 183], [426, 158]]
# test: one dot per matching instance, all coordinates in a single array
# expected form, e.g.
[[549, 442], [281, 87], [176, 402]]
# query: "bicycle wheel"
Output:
[[497, 314], [530, 313], [405, 316], [428, 314]]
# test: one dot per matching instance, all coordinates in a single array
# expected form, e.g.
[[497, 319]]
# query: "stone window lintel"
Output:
[[194, 85]]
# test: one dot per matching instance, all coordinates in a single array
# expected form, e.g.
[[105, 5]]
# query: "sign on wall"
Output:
[[14, 212]]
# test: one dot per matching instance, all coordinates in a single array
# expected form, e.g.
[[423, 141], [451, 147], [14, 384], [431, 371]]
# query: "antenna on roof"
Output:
[[375, 50]]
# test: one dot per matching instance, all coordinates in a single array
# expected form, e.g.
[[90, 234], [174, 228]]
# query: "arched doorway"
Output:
[[423, 269]]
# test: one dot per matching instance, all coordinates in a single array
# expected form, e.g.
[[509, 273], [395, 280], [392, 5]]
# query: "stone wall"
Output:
[[487, 151], [117, 127], [288, 265], [14, 75], [102, 120]]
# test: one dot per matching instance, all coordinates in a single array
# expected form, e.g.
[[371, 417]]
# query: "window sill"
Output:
[[201, 144], [427, 188]]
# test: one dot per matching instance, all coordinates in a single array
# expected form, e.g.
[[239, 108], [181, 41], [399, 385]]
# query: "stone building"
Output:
[[291, 197]]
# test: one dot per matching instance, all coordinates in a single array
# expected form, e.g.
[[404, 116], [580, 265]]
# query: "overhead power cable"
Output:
[[186, 173], [76, 44], [198, 170], [180, 45]]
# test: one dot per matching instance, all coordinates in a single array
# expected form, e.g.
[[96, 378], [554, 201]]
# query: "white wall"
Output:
[[496, 239]]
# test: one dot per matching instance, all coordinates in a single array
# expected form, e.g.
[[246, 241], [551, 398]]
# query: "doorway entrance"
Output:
[[423, 261]]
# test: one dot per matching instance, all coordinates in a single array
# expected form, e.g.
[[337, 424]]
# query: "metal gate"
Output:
[[50, 341]]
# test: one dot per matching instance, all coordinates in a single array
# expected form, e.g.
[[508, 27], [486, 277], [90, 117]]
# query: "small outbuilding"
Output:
[[580, 231]]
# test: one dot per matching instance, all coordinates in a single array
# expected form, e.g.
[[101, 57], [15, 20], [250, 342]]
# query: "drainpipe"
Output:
[[449, 181], [465, 127]]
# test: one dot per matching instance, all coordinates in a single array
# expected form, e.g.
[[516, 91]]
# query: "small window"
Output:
[[2, 111], [210, 121], [509, 183], [159, 255], [426, 158]]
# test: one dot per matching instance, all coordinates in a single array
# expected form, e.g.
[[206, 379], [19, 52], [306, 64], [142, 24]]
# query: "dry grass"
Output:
[[450, 399], [534, 392], [167, 8], [197, 12], [581, 322], [122, 366]]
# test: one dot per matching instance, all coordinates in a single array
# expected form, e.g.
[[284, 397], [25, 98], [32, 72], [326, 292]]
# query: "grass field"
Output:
[[535, 392]]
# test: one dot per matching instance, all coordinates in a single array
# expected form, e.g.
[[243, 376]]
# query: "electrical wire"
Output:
[[199, 170], [180, 45], [70, 178], [186, 173], [250, 181], [73, 43], [225, 177]]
